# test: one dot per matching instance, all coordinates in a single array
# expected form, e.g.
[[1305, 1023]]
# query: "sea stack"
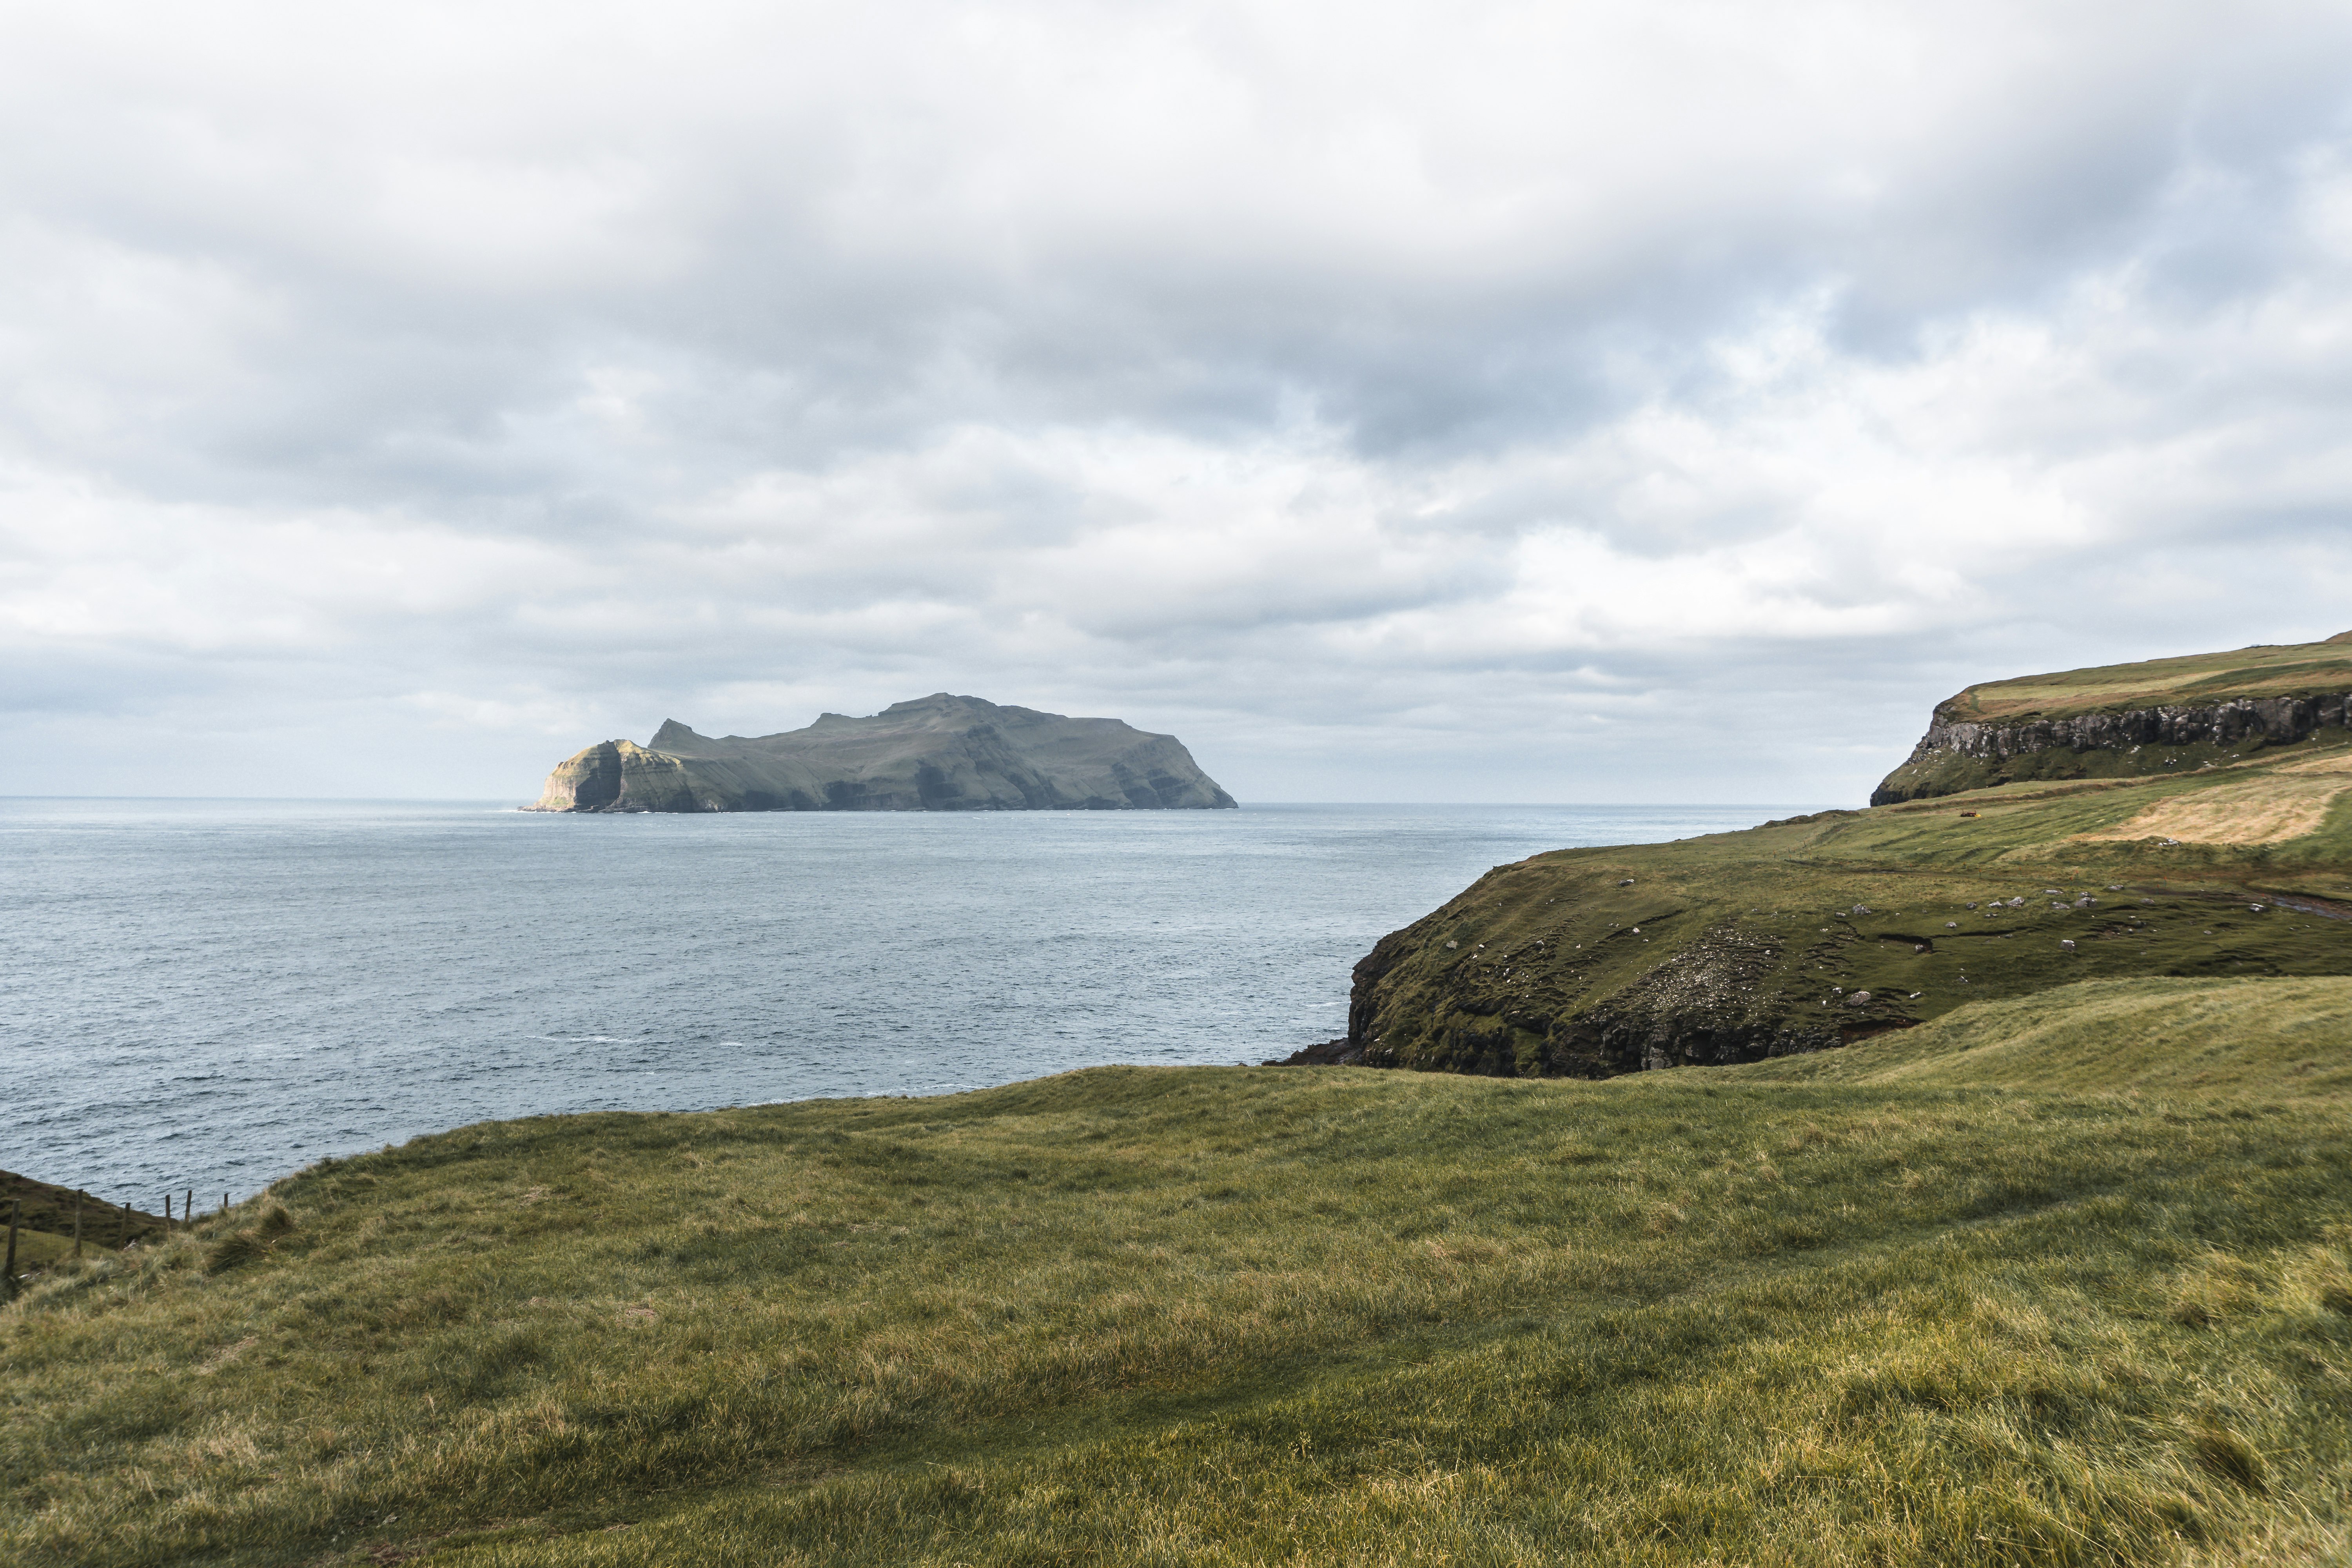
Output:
[[939, 752]]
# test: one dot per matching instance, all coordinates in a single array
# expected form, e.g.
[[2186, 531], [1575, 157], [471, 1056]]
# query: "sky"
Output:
[[1658, 402]]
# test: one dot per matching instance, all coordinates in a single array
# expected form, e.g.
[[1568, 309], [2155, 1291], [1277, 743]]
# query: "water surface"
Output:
[[212, 994]]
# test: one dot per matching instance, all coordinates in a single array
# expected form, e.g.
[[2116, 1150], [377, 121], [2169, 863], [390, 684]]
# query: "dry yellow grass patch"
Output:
[[2285, 802]]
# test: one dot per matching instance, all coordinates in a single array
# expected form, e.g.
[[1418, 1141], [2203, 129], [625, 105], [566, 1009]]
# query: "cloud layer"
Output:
[[1484, 402]]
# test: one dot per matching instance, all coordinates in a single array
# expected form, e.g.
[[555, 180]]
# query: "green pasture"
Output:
[[2066, 1283]]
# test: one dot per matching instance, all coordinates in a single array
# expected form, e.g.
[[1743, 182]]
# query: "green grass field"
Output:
[[2065, 1278]]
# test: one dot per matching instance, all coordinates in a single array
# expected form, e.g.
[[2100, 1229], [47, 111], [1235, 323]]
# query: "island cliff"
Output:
[[939, 753], [2218, 845]]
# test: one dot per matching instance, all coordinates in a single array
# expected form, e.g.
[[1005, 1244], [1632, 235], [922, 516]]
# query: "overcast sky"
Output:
[[1641, 402]]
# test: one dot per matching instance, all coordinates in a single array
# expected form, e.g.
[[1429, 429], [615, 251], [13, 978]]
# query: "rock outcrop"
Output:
[[936, 754]]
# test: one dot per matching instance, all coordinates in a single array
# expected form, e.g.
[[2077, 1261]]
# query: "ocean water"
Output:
[[212, 994]]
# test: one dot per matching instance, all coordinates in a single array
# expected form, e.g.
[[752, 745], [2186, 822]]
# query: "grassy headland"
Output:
[[2065, 1280], [1827, 929], [2284, 669], [2157, 716]]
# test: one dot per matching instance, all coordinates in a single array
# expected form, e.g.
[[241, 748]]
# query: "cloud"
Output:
[[1479, 401]]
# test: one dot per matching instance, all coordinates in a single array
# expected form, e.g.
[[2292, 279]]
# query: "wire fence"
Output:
[[47, 1223]]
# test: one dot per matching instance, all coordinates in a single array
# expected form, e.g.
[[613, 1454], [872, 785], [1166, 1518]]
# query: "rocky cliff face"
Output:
[[621, 775], [1958, 754], [939, 752]]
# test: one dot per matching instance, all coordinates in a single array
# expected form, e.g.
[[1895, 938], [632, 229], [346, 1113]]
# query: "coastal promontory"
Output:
[[2158, 716], [939, 752], [2181, 819]]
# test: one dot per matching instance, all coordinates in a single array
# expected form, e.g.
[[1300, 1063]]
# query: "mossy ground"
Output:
[[1934, 1306], [1760, 940]]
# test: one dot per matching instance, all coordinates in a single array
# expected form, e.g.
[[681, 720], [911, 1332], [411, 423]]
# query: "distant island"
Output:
[[939, 753]]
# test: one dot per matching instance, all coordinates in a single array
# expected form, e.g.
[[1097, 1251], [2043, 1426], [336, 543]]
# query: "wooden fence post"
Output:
[[188, 1210], [125, 1239], [16, 1207]]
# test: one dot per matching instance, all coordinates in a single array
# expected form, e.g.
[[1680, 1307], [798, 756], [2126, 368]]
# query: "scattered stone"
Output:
[[2067, 942], [1859, 999]]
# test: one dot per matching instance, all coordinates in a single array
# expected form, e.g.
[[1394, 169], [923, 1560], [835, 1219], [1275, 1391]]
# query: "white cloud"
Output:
[[1393, 400]]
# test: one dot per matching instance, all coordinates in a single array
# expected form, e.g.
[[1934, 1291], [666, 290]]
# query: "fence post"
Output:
[[188, 1211], [16, 1207], [125, 1239]]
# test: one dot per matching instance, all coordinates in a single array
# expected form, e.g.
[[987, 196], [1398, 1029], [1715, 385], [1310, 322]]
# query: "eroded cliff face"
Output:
[[1958, 753], [1709, 997], [936, 753], [621, 775]]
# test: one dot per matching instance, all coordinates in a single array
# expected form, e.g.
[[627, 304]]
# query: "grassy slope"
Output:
[[1734, 943], [44, 1206], [2264, 1039], [2291, 669], [1774, 1314]]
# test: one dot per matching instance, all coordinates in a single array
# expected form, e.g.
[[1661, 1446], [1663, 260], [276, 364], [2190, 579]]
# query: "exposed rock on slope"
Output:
[[936, 754], [2162, 715]]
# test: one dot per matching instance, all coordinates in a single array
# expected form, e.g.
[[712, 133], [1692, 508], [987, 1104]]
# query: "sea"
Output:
[[210, 993]]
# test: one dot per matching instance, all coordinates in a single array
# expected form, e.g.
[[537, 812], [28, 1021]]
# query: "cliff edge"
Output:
[[939, 752], [2126, 719]]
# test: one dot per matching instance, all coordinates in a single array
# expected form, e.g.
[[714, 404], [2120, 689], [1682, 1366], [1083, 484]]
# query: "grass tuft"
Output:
[[2225, 1454]]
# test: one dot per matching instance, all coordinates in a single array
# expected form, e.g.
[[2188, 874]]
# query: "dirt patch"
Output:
[[2286, 803]]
